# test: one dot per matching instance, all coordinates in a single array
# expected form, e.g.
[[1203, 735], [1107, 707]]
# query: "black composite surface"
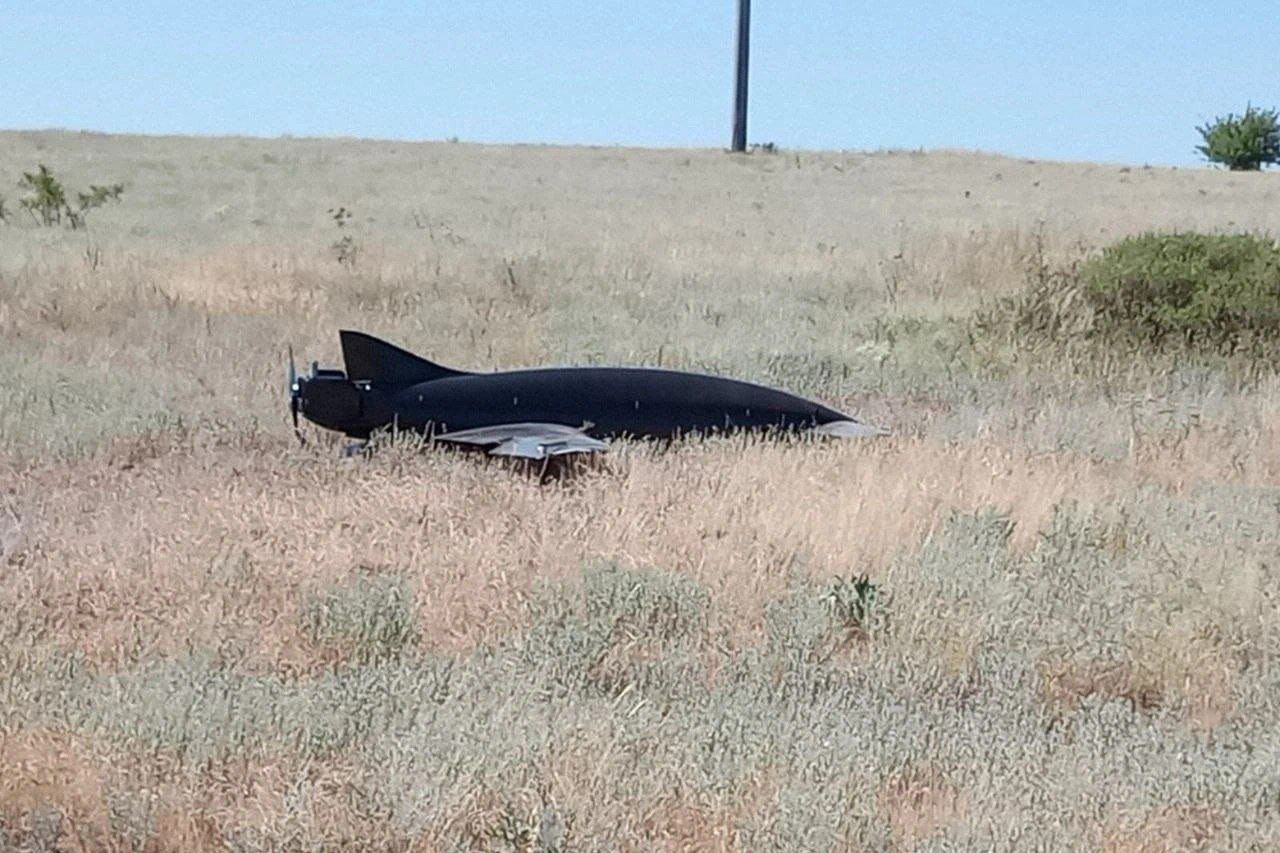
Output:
[[384, 386], [607, 401]]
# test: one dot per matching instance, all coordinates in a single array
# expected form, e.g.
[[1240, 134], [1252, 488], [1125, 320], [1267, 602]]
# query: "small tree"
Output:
[[46, 199], [1242, 143]]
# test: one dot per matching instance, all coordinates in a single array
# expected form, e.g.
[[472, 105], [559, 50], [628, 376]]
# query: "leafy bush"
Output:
[[46, 199], [1242, 143], [1153, 291], [1199, 288]]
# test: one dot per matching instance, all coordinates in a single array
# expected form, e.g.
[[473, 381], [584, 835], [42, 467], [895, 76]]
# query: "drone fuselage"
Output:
[[385, 387]]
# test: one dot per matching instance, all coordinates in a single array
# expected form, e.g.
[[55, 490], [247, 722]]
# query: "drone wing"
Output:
[[527, 440]]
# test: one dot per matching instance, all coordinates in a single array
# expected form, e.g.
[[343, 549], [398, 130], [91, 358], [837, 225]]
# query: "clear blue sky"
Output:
[[1115, 81]]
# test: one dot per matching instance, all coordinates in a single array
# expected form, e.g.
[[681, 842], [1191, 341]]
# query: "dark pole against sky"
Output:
[[740, 87]]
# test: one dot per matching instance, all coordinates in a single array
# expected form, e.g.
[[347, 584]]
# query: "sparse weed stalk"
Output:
[[345, 250], [517, 831], [11, 536], [1052, 311], [95, 198]]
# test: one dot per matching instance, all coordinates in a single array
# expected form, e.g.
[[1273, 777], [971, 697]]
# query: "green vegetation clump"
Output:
[[371, 617], [46, 199], [853, 602], [1155, 291], [1242, 143], [1200, 288]]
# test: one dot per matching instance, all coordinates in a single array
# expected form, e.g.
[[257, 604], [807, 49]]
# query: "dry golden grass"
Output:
[[1168, 830], [144, 541], [919, 804], [213, 638], [41, 768]]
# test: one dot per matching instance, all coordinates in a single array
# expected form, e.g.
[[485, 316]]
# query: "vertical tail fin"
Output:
[[372, 360]]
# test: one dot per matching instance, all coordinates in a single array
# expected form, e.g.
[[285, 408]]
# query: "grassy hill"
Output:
[[211, 637]]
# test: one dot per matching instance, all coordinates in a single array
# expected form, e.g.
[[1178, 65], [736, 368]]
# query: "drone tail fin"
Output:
[[370, 359]]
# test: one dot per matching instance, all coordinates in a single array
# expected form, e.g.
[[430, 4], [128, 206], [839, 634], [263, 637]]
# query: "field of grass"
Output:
[[212, 638]]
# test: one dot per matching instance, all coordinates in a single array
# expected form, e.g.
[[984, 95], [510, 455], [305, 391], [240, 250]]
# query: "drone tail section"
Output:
[[370, 359]]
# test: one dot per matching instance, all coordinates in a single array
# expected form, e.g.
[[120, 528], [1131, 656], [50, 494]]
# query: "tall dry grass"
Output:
[[212, 638]]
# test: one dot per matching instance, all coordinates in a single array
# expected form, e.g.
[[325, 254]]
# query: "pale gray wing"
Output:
[[532, 447], [527, 440], [850, 429]]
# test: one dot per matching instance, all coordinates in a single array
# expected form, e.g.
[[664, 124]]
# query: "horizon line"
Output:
[[624, 146]]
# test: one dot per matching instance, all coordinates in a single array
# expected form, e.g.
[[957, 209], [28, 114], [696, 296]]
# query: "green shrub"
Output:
[[46, 199], [1198, 288], [1155, 291], [1242, 143]]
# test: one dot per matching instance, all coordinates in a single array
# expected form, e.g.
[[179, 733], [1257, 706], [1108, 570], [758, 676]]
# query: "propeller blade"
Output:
[[294, 393]]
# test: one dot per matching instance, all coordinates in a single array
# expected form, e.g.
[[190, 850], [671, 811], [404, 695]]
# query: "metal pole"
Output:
[[740, 88]]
